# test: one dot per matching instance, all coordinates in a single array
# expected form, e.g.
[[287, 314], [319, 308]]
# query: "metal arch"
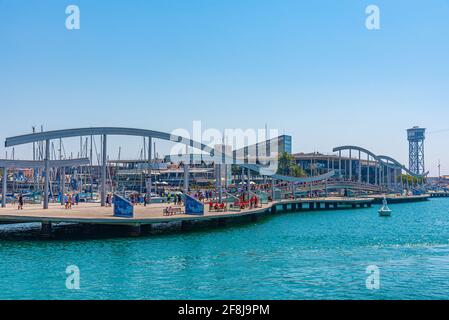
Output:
[[355, 148], [399, 165], [388, 165], [381, 159], [68, 133]]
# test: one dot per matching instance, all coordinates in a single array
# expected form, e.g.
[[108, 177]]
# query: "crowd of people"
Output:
[[243, 197], [70, 199]]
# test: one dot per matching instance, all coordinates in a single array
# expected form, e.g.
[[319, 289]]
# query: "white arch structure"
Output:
[[382, 160], [47, 136]]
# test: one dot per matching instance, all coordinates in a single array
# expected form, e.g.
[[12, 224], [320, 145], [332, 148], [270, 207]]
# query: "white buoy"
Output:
[[384, 211]]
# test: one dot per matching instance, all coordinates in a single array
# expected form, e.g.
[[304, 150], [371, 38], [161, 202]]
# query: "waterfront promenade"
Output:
[[92, 213], [146, 216]]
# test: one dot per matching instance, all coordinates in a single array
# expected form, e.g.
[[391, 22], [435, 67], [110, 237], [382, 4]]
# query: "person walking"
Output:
[[20, 207]]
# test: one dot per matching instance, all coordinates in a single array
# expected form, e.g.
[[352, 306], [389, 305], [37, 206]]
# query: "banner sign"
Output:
[[193, 206], [148, 185], [122, 207]]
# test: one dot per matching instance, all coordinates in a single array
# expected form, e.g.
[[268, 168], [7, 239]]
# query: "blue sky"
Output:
[[308, 68]]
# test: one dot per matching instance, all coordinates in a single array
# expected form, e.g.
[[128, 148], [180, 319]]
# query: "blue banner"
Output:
[[193, 206], [122, 207]]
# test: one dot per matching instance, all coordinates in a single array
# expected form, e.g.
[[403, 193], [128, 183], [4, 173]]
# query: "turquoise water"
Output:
[[314, 255]]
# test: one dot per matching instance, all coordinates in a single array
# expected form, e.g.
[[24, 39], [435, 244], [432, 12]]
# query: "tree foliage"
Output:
[[288, 167]]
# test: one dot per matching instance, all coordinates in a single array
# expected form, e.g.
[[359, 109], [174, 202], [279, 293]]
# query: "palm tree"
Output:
[[288, 167]]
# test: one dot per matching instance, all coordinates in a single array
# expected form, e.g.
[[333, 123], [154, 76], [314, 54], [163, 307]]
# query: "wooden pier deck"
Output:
[[93, 213]]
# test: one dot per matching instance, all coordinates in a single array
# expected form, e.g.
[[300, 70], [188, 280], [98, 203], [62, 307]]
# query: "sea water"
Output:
[[304, 255]]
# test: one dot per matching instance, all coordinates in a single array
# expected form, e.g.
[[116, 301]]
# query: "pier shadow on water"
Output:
[[73, 231]]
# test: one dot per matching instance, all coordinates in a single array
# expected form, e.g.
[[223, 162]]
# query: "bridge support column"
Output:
[[4, 186], [103, 172], [367, 169], [335, 205], [150, 147], [284, 207], [339, 164], [62, 189], [186, 179], [375, 174], [273, 209], [248, 180], [135, 230], [326, 194], [326, 206], [379, 172], [218, 185], [360, 168], [293, 190], [350, 165], [311, 206], [299, 206], [293, 207], [388, 176], [47, 173], [46, 229], [318, 205]]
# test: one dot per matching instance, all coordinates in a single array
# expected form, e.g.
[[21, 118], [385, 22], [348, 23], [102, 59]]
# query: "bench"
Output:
[[172, 211], [217, 207]]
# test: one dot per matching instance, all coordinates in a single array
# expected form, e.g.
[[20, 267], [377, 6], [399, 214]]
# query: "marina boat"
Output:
[[384, 211]]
